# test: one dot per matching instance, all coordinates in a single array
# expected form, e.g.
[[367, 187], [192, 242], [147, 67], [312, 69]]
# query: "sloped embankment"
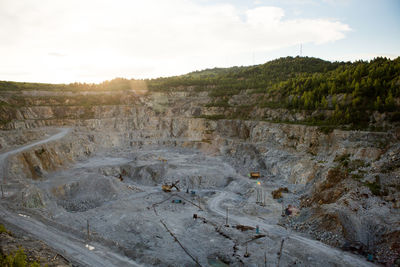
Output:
[[349, 179]]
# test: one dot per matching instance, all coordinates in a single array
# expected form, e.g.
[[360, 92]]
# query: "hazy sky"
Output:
[[97, 40]]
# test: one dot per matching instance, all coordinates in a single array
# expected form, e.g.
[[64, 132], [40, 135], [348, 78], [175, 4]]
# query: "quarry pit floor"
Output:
[[110, 210]]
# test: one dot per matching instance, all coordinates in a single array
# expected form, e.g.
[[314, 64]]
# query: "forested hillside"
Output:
[[348, 92], [329, 93]]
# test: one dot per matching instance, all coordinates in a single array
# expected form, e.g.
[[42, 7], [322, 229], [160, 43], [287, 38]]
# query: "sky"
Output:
[[64, 41]]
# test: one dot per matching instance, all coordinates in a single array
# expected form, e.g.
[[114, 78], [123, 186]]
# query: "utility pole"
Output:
[[226, 219], [88, 231], [301, 50], [199, 203], [259, 195], [265, 259], [246, 254], [262, 197], [265, 197], [280, 253], [2, 192]]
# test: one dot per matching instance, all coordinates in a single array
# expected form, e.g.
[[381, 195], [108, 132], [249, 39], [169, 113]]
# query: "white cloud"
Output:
[[102, 39]]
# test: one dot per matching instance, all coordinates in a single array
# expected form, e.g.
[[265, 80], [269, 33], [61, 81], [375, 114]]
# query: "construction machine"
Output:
[[162, 159], [254, 175], [168, 188]]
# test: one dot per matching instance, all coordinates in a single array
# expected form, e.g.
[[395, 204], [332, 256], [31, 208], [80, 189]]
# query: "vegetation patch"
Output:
[[343, 160], [374, 187], [350, 91], [357, 176], [17, 259], [4, 230], [113, 85], [357, 164], [213, 117], [219, 103], [341, 95], [326, 129]]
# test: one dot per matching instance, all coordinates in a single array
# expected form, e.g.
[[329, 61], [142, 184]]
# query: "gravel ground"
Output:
[[118, 194]]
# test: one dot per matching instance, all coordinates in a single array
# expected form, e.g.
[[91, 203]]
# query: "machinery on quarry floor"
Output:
[[89, 192], [254, 175], [168, 188]]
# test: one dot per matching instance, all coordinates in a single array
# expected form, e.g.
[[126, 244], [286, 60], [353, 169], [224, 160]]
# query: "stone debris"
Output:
[[110, 166]]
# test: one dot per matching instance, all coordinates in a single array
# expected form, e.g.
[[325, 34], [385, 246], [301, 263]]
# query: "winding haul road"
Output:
[[76, 251], [63, 132], [72, 248], [340, 257]]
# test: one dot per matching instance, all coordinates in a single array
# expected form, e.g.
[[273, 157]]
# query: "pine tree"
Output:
[[378, 103], [347, 116], [324, 103], [389, 102]]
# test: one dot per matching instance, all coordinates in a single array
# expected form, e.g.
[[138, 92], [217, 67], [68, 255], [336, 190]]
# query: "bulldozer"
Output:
[[168, 188]]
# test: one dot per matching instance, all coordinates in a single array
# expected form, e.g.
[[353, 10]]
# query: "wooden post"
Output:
[[265, 197], [261, 196], [280, 253], [226, 219], [88, 231], [265, 259], [246, 254]]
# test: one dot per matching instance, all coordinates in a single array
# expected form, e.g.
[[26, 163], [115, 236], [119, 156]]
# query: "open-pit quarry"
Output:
[[87, 180]]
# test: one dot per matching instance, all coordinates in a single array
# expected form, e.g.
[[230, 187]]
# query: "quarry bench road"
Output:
[[345, 258], [63, 132], [65, 244], [69, 247]]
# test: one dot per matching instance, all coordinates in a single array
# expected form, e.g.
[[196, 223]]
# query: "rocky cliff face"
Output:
[[350, 179]]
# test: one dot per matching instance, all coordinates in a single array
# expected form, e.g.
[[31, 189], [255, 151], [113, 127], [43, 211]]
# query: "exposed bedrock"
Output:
[[349, 180]]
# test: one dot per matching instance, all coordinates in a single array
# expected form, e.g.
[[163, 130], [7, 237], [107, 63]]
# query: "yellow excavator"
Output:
[[162, 159], [168, 188]]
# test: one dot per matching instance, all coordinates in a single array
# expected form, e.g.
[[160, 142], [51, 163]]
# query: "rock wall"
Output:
[[296, 153], [349, 177]]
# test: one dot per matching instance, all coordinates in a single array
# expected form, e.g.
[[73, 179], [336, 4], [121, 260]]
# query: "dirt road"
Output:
[[3, 157], [72, 248], [277, 232]]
